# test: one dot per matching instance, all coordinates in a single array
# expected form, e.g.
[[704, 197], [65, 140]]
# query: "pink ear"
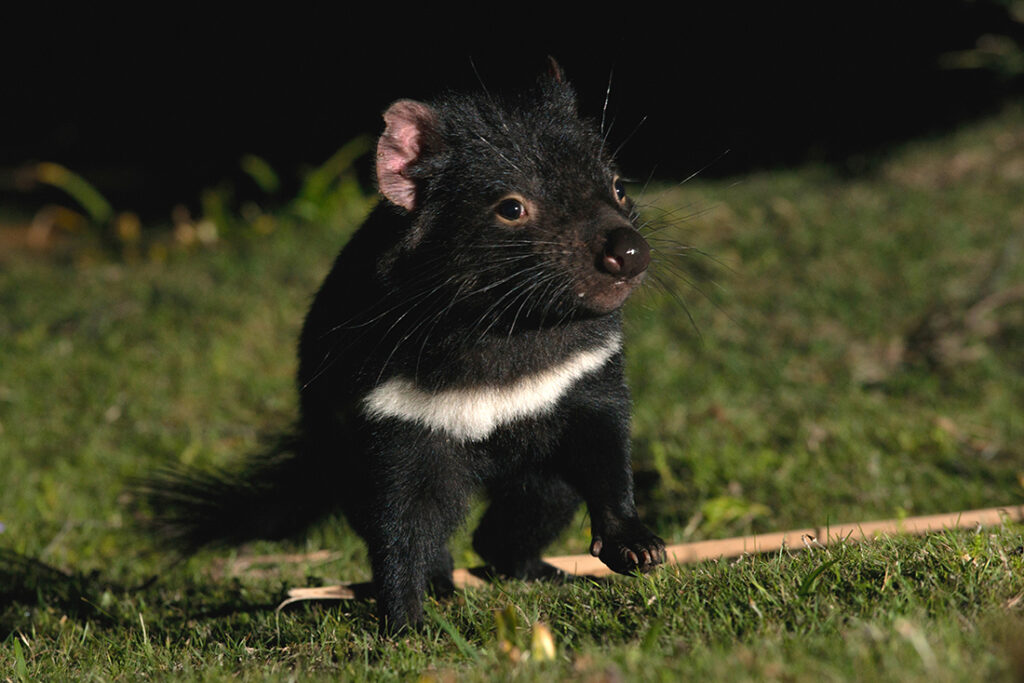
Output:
[[406, 124]]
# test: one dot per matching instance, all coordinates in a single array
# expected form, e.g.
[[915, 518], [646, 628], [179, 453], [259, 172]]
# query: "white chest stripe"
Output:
[[473, 413]]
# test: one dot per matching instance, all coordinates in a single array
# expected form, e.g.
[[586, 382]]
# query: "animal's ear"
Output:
[[555, 71], [556, 87], [408, 127]]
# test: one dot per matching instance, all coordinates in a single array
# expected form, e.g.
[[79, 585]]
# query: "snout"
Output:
[[620, 259]]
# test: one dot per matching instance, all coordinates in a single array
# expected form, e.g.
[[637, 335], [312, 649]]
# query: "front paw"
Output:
[[632, 549]]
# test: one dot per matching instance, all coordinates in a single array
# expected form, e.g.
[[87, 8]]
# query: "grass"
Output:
[[854, 353]]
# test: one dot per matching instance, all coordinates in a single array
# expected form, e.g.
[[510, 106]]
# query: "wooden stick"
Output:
[[686, 553]]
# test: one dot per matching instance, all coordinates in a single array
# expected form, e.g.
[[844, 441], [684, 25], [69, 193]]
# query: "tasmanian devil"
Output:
[[467, 339]]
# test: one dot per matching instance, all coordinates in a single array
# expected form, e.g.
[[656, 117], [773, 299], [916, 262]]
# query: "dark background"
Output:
[[153, 109]]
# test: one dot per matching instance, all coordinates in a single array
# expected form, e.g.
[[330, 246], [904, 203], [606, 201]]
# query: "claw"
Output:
[[632, 548]]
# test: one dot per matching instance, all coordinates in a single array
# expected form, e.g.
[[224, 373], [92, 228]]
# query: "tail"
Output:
[[274, 494]]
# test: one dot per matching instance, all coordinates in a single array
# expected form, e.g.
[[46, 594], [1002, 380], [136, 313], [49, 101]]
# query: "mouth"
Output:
[[604, 295]]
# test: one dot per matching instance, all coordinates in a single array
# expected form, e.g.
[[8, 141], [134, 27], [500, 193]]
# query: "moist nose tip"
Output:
[[626, 254]]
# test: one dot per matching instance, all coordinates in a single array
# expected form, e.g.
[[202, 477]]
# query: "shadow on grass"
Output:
[[27, 584]]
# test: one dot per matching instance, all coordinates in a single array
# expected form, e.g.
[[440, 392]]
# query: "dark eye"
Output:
[[620, 189], [511, 209]]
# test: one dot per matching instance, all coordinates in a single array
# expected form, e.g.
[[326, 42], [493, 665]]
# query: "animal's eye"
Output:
[[511, 209], [620, 189]]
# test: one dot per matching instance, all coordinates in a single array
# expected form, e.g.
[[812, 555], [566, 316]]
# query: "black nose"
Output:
[[626, 254]]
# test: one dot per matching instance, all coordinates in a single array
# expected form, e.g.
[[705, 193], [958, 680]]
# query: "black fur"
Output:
[[449, 286]]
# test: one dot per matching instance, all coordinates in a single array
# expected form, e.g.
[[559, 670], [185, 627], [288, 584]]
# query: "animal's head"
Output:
[[515, 200]]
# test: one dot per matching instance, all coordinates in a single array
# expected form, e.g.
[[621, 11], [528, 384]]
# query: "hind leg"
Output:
[[526, 514], [439, 573]]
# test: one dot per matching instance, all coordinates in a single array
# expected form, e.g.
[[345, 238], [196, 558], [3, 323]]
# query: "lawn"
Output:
[[812, 347]]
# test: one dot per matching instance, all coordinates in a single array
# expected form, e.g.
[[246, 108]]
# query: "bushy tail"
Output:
[[275, 494]]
